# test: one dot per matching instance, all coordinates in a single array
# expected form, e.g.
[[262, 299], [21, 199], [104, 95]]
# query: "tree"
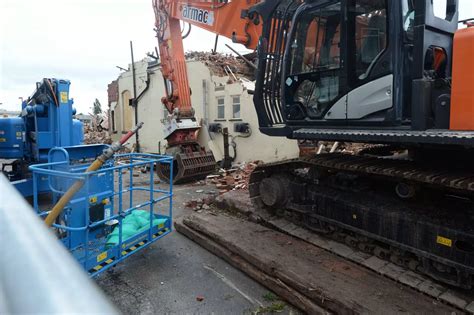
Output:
[[97, 108]]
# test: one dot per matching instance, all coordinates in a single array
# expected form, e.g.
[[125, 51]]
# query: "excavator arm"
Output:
[[232, 19]]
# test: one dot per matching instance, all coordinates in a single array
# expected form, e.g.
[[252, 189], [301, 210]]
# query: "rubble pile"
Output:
[[310, 148], [198, 204], [236, 178], [223, 64], [92, 136], [94, 131]]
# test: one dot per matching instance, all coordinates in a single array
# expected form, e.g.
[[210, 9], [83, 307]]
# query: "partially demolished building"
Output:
[[221, 96]]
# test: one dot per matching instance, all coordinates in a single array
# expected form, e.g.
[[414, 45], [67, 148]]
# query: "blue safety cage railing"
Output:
[[120, 210]]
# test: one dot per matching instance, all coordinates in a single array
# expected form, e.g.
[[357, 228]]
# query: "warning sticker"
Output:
[[444, 241], [63, 96], [101, 256]]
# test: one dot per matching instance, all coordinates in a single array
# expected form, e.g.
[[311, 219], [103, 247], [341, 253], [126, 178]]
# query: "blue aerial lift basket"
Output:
[[113, 216]]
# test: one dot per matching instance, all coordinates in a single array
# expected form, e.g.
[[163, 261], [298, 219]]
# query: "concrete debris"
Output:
[[95, 131], [310, 147], [224, 65], [93, 136], [236, 178], [198, 204]]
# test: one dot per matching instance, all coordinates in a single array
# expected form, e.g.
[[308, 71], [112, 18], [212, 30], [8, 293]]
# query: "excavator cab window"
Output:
[[318, 76], [370, 35], [408, 9], [316, 52]]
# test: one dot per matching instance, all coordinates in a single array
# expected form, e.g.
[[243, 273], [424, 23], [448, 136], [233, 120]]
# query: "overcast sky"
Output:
[[83, 41]]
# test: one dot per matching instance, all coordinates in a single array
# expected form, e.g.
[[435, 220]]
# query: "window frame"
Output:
[[219, 106], [352, 29], [235, 104], [374, 70]]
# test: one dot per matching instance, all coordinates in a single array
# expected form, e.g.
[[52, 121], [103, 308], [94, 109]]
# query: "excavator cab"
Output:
[[354, 66]]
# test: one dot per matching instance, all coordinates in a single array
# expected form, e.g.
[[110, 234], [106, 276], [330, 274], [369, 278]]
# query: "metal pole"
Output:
[[227, 162], [135, 101], [241, 56], [215, 44]]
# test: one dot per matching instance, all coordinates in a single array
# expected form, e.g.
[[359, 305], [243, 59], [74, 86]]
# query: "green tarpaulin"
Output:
[[137, 221]]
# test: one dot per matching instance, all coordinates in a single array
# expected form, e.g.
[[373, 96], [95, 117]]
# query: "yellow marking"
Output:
[[105, 201], [3, 139], [124, 253], [141, 243], [63, 96], [97, 268], [93, 199], [109, 261], [133, 248], [444, 241], [101, 256], [161, 225]]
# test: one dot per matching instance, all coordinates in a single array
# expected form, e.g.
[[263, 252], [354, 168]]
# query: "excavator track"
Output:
[[351, 199], [456, 179]]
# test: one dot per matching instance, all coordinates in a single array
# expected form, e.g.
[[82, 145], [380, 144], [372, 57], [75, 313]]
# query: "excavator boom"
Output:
[[230, 19]]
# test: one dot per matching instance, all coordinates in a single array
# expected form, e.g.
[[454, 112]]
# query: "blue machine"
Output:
[[46, 122], [105, 223], [110, 217]]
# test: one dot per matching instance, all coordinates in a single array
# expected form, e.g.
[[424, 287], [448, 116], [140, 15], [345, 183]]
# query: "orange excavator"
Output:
[[181, 128], [390, 74]]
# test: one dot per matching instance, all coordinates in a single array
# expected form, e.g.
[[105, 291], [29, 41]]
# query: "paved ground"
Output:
[[168, 276]]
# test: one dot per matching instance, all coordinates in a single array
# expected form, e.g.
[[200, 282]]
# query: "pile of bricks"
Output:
[[200, 203], [236, 178], [94, 132], [92, 136]]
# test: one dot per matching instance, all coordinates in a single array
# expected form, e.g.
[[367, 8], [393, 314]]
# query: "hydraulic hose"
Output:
[[107, 154]]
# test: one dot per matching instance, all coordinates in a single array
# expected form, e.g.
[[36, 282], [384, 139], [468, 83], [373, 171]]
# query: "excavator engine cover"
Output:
[[462, 108]]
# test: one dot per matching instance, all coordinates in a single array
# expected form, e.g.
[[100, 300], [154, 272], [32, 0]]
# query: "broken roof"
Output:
[[223, 64]]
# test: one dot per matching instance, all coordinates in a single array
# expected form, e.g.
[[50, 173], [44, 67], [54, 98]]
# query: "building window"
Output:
[[220, 108], [235, 107], [112, 117]]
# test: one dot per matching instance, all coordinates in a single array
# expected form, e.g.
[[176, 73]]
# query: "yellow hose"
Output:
[[107, 154], [59, 206]]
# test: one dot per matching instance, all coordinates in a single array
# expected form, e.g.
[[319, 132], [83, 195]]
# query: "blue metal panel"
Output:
[[44, 140], [64, 115], [25, 186], [11, 138], [78, 132], [74, 153]]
